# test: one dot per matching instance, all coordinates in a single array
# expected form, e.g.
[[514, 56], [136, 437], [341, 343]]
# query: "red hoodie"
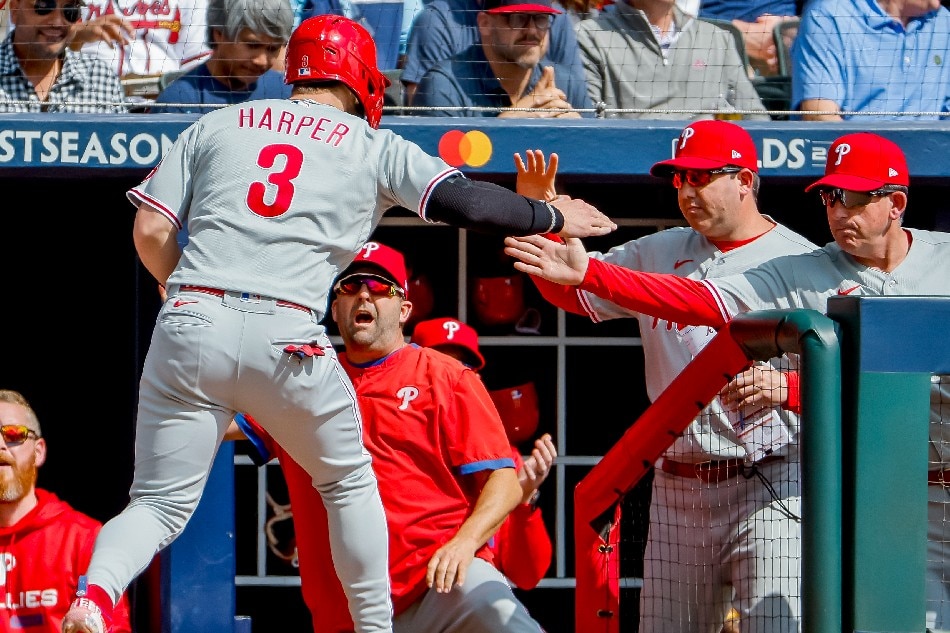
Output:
[[41, 559]]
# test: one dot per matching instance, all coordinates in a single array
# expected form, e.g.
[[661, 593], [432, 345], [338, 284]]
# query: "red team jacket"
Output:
[[41, 559], [423, 446]]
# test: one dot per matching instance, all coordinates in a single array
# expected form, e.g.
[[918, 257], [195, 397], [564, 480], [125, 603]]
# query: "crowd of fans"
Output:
[[656, 59]]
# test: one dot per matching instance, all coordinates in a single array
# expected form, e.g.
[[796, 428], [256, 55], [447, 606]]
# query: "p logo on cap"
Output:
[[863, 162], [710, 144]]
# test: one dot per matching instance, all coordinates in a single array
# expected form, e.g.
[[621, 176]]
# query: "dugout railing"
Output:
[[867, 407]]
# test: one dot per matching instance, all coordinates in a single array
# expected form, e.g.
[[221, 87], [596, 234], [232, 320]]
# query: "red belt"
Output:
[[938, 478], [220, 293], [711, 472]]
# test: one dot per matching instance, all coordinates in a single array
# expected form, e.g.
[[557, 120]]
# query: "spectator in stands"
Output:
[[145, 39], [757, 20], [649, 56], [440, 455], [522, 547], [38, 71], [445, 28], [884, 57], [504, 69], [45, 544], [246, 36]]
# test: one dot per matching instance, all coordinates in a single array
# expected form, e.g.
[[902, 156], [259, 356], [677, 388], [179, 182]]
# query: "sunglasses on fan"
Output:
[[71, 12], [15, 434]]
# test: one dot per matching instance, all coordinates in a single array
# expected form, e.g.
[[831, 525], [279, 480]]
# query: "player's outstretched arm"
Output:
[[563, 263], [534, 178], [490, 208]]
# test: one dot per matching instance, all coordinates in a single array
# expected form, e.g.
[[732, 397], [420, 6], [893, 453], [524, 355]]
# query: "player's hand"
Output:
[[582, 219], [757, 388], [537, 466], [449, 564], [111, 29], [534, 179], [564, 264]]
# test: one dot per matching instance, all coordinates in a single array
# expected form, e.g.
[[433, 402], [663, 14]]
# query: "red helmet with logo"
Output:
[[518, 408], [336, 47]]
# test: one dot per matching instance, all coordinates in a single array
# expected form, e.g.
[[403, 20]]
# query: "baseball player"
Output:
[[278, 196], [444, 466], [864, 191], [522, 547], [739, 536]]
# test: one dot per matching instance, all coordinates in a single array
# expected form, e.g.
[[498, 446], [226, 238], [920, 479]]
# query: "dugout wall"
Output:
[[78, 308]]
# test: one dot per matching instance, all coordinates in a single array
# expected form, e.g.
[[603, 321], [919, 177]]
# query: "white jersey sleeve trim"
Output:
[[137, 197], [424, 200], [588, 308], [717, 297]]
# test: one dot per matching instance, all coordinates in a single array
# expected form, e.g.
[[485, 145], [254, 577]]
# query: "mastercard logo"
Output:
[[459, 148]]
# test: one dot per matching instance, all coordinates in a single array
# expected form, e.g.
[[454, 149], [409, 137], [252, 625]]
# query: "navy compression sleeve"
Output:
[[489, 208]]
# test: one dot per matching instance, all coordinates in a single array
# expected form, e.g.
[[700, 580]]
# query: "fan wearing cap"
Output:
[[864, 192], [522, 546], [444, 466], [444, 28], [505, 69], [715, 172]]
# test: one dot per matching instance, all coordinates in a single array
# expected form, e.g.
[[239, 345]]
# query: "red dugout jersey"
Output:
[[428, 421], [40, 559]]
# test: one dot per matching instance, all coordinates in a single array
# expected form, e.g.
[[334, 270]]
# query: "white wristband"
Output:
[[553, 216]]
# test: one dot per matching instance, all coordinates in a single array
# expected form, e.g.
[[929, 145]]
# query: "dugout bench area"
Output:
[[78, 310]]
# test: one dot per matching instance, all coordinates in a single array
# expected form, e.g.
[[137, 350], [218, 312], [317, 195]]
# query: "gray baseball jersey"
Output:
[[278, 196], [683, 251], [807, 281]]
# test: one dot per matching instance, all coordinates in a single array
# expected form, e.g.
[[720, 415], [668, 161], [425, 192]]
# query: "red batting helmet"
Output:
[[498, 300], [335, 47], [518, 408]]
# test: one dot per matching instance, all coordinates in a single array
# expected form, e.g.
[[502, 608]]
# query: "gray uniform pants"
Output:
[[213, 356]]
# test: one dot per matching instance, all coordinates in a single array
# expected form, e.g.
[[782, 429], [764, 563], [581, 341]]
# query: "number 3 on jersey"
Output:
[[281, 180]]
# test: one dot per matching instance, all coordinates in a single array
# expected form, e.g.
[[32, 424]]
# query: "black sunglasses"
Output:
[[851, 199], [541, 21], [71, 12]]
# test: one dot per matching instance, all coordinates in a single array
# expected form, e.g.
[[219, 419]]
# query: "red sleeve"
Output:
[[668, 297], [794, 403], [564, 297], [523, 547]]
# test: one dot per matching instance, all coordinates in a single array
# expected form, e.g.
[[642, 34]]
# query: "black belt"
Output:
[[220, 293]]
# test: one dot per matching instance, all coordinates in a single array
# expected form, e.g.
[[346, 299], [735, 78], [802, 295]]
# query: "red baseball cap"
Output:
[[519, 6], [710, 144], [449, 332], [863, 162], [387, 259]]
